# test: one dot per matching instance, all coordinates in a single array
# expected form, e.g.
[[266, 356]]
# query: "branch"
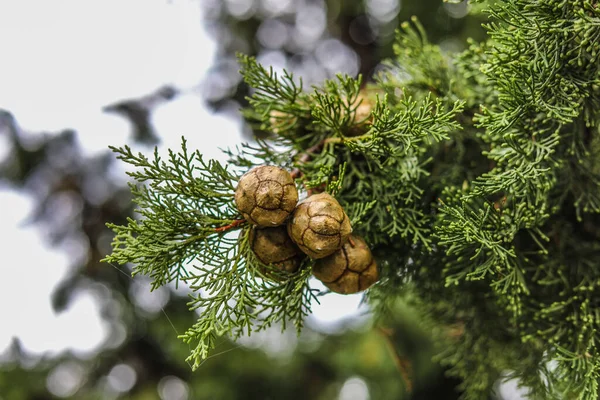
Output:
[[404, 366]]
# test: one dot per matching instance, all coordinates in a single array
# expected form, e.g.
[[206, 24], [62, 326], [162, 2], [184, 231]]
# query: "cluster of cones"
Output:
[[286, 231]]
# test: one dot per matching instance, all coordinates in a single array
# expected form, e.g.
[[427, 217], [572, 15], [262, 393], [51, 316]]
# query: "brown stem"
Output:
[[402, 365], [232, 225]]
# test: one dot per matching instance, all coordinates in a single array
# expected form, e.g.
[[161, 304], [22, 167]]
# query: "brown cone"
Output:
[[319, 225], [273, 246], [266, 196], [351, 269]]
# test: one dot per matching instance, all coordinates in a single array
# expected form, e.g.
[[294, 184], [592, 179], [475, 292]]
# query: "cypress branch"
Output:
[[474, 177]]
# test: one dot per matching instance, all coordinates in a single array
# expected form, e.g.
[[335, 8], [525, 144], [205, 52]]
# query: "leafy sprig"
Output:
[[181, 203], [189, 230], [335, 104], [399, 132], [234, 298]]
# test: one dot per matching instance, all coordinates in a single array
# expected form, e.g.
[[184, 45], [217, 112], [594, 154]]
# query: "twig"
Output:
[[232, 225], [402, 364]]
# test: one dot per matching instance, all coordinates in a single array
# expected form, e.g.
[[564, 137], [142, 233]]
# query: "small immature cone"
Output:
[[266, 196], [319, 225], [363, 106], [274, 246], [280, 121], [363, 110], [351, 269]]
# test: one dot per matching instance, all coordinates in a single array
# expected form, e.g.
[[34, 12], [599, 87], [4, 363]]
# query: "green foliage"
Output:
[[398, 131], [474, 177], [181, 203], [189, 231], [235, 299], [517, 226]]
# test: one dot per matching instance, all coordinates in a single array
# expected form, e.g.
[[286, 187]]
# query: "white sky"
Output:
[[62, 61]]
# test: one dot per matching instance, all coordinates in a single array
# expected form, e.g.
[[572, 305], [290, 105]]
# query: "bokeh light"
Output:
[[355, 388], [122, 378], [65, 379], [173, 388]]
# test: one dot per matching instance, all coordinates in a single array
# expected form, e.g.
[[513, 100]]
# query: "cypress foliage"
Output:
[[474, 177]]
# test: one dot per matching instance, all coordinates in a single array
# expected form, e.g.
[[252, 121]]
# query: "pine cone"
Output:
[[266, 196], [351, 269], [319, 225], [274, 246]]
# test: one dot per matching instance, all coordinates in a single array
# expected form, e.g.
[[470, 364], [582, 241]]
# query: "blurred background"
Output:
[[78, 76]]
